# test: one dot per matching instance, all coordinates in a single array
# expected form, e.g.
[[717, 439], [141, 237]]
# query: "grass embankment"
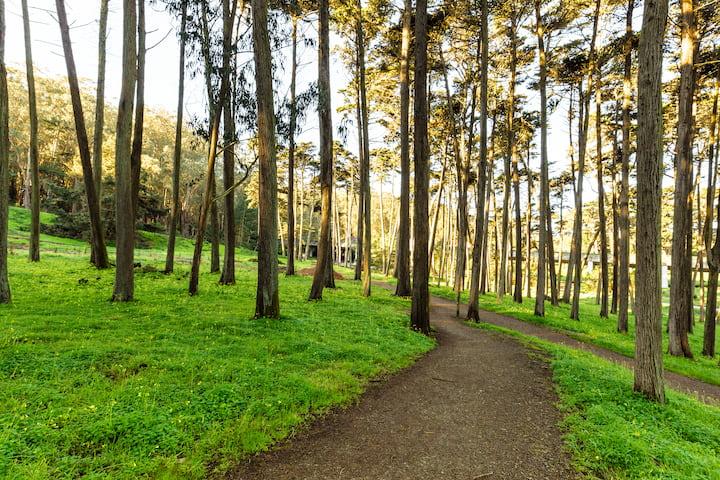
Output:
[[617, 434], [171, 386], [599, 331]]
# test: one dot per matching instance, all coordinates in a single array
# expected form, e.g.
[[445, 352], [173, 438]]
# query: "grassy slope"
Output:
[[614, 433], [602, 332], [170, 385], [143, 389]]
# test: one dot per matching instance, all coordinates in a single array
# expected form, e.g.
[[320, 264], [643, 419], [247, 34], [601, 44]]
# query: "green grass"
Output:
[[598, 331], [172, 386], [614, 433]]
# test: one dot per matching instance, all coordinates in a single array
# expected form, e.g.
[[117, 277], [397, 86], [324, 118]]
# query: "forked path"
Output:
[[705, 392], [479, 406]]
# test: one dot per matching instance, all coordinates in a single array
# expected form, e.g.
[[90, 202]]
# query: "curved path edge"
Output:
[[481, 405], [703, 391]]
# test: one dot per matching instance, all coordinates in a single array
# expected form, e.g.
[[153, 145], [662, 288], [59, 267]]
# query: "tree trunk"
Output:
[[583, 118], [5, 295], [473, 312], [177, 152], [268, 300], [528, 227], [301, 207], [572, 255], [124, 198], [34, 245], [648, 300], [544, 181], [381, 205], [324, 260], [214, 224], [361, 171], [489, 195], [502, 275], [517, 267], [437, 206], [615, 223], [604, 272], [365, 175], [624, 217], [460, 176], [583, 123], [290, 270], [227, 277], [403, 287], [216, 110], [100, 99], [551, 257], [97, 237], [681, 285], [349, 200], [711, 311], [713, 251], [420, 312], [137, 141]]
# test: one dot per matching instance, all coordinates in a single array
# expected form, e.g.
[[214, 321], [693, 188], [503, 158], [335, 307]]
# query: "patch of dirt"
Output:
[[310, 271], [479, 406]]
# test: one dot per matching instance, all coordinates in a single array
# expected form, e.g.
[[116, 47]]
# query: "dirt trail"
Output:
[[705, 392], [479, 406]]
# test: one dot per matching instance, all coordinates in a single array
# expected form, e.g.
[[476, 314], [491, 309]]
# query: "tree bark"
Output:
[[437, 206], [97, 237], [100, 99], [583, 118], [567, 288], [553, 277], [34, 245], [420, 311], [5, 295], [604, 271], [460, 176], [502, 275], [267, 300], [290, 270], [624, 216], [227, 277], [473, 311], [544, 181], [324, 260], [365, 175], [489, 195], [713, 251], [177, 152], [681, 284], [648, 300], [361, 169], [216, 111], [137, 140], [124, 198], [214, 223], [403, 287], [583, 123]]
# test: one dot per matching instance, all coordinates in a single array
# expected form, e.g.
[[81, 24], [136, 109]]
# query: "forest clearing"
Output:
[[368, 239]]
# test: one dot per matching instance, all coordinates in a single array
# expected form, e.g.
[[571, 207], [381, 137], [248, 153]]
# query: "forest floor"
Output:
[[480, 405], [172, 386]]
